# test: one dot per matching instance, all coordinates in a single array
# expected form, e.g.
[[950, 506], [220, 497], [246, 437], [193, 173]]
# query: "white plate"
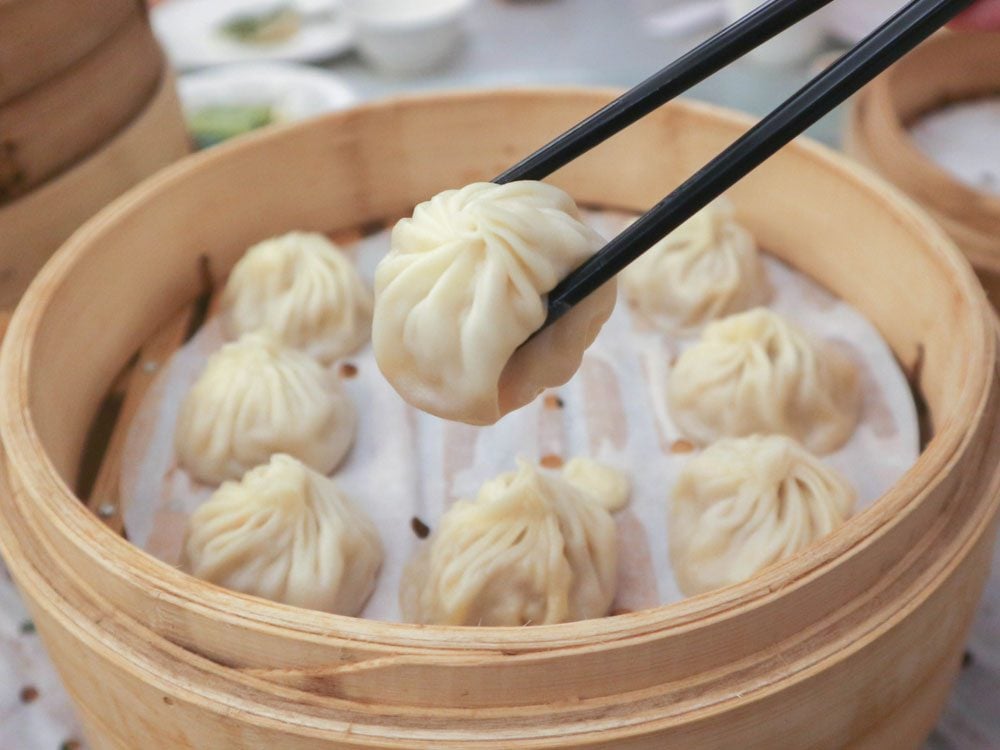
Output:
[[292, 91], [189, 31]]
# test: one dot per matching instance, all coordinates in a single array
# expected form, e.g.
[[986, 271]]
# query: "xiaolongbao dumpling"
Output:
[[531, 549], [707, 268], [757, 373], [256, 398], [304, 290], [605, 484], [745, 503], [464, 286], [286, 533]]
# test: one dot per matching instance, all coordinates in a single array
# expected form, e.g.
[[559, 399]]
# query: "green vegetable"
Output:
[[212, 124], [267, 27]]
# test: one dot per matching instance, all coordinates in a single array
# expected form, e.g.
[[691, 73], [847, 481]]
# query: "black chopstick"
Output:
[[897, 36], [707, 58]]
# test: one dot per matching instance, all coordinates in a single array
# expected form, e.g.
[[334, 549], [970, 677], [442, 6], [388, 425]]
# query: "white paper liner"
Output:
[[960, 139], [408, 464]]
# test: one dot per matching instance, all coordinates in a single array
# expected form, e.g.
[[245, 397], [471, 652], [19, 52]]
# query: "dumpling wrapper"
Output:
[[256, 398], [465, 285], [754, 373], [304, 290], [608, 486], [746, 503], [532, 549], [287, 533], [707, 268]]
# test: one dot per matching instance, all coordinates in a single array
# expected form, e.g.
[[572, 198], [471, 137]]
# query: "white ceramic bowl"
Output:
[[407, 36]]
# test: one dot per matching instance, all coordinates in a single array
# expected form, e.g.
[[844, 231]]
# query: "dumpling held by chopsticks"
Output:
[[464, 286]]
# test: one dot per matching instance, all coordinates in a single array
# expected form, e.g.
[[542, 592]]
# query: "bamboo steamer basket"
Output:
[[851, 644], [53, 125], [33, 226], [40, 38], [948, 68]]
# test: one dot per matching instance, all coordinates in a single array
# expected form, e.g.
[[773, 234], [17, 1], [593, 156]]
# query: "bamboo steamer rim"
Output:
[[980, 247], [879, 129], [119, 558], [251, 701]]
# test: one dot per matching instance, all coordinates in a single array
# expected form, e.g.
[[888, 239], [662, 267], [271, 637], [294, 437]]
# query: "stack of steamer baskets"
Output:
[[87, 109], [852, 644], [947, 69]]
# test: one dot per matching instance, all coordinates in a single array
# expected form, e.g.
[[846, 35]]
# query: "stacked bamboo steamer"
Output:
[[853, 644], [87, 109], [946, 69]]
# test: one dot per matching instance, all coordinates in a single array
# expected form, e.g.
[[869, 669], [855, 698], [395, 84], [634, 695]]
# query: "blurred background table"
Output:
[[588, 42]]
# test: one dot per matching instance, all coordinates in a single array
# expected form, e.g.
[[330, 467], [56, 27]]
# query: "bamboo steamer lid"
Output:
[[41, 38], [53, 125], [34, 225], [850, 645], [948, 68]]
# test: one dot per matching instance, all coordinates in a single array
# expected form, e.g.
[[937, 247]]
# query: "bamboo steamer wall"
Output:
[[33, 226], [851, 644], [62, 119], [947, 68], [41, 38], [87, 109]]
